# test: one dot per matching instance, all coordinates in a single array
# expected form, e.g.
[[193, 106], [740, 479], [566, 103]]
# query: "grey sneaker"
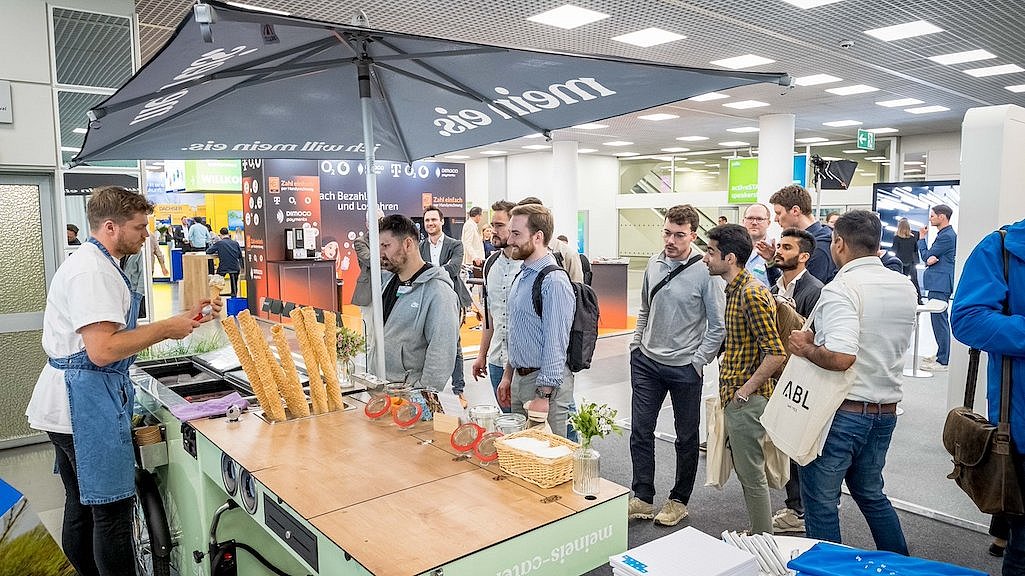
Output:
[[787, 520], [671, 513], [640, 510]]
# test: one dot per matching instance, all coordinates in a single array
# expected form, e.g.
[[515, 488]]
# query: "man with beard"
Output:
[[447, 253], [678, 333], [792, 205], [499, 272], [421, 314], [797, 285], [83, 397], [753, 353], [537, 382]]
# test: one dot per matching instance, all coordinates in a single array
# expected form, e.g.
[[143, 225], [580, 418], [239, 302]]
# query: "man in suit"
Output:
[[938, 279], [794, 250], [445, 252]]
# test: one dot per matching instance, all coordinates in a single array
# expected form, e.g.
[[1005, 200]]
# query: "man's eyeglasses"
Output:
[[754, 219]]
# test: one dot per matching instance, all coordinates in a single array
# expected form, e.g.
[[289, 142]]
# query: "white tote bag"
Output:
[[718, 457], [800, 411]]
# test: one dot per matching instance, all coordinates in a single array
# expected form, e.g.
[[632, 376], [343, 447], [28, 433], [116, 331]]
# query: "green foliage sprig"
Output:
[[594, 421]]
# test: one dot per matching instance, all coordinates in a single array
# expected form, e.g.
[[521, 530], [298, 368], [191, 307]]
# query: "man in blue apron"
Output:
[[83, 399]]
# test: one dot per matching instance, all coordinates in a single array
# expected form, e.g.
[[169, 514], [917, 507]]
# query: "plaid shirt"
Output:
[[750, 335]]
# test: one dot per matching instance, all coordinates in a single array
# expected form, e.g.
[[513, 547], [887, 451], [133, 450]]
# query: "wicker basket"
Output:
[[544, 472]]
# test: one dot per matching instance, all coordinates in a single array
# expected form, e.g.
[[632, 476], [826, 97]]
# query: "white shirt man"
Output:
[[473, 242], [864, 322]]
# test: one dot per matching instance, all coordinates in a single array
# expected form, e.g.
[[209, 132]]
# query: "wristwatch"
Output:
[[542, 394]]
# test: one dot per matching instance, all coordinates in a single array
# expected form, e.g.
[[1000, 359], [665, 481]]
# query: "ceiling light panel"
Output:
[[657, 117], [568, 17], [882, 130], [994, 70], [536, 147], [591, 126], [853, 89], [899, 102], [902, 31], [741, 62], [708, 96], [734, 144], [816, 79], [745, 104], [675, 149], [842, 123], [962, 57], [812, 140], [492, 152], [1018, 88], [692, 138], [806, 4], [855, 151], [618, 143], [649, 37], [927, 109]]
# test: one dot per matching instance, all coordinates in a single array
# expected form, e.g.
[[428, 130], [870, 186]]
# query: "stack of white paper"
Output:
[[687, 551]]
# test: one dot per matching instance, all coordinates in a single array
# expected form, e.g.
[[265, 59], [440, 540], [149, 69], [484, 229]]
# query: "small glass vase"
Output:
[[345, 369], [586, 468]]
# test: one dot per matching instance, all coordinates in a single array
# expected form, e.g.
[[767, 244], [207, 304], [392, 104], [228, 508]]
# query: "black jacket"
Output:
[[806, 293]]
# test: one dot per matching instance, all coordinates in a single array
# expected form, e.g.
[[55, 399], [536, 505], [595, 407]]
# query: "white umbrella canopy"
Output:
[[235, 83]]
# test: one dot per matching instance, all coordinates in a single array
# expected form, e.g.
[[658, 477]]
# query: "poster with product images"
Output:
[[253, 221], [293, 201], [401, 189]]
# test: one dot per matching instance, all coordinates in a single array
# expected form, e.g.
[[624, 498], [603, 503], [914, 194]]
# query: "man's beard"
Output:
[[498, 242], [126, 248], [786, 265], [522, 252], [394, 266]]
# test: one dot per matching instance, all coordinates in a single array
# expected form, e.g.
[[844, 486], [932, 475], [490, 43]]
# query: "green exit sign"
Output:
[[866, 140]]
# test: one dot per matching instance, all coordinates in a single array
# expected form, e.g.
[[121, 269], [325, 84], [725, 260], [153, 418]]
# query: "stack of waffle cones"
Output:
[[274, 382]]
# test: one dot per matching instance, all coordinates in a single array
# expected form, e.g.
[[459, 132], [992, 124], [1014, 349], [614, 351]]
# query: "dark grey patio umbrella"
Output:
[[234, 83]]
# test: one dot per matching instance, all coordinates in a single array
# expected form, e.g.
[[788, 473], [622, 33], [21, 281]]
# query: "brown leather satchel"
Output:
[[982, 453]]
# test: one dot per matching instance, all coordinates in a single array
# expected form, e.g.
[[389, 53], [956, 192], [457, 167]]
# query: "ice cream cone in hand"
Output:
[[216, 285]]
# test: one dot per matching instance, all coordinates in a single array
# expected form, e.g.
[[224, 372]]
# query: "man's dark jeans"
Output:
[[651, 381], [96, 539]]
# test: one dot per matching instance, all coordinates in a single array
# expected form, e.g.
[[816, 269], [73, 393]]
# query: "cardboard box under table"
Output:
[[369, 498]]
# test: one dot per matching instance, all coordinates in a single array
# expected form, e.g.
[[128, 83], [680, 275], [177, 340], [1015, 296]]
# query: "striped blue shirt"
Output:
[[535, 342]]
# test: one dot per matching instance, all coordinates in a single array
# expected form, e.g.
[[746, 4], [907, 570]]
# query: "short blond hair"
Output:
[[539, 219], [117, 204]]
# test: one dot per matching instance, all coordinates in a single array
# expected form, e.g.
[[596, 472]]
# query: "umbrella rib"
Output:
[[439, 53], [391, 117], [252, 81], [311, 49], [466, 89]]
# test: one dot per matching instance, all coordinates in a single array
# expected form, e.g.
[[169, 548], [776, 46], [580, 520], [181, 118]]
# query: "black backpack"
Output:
[[583, 335]]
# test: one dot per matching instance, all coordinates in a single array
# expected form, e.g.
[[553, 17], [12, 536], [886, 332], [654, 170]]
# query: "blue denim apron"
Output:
[[101, 401]]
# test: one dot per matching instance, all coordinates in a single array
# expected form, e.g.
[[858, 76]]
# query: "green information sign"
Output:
[[743, 181], [213, 176], [866, 140]]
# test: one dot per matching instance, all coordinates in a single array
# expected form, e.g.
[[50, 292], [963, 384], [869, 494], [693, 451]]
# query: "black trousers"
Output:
[[96, 539]]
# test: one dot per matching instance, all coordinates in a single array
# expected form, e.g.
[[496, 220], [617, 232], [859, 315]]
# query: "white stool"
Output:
[[930, 307]]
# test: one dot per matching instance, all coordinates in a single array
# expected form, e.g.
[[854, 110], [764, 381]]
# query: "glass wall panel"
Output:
[[22, 273], [20, 363]]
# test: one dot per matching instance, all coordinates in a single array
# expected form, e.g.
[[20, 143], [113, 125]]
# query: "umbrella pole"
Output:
[[372, 217]]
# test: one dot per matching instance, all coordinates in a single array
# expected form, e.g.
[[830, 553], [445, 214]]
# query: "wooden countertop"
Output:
[[367, 486]]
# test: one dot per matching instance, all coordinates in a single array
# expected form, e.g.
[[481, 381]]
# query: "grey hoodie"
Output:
[[420, 335]]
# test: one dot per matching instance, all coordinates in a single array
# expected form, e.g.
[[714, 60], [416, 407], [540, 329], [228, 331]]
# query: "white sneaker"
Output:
[[787, 520]]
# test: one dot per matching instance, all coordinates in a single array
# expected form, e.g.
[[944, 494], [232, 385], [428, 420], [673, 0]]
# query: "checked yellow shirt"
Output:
[[750, 335]]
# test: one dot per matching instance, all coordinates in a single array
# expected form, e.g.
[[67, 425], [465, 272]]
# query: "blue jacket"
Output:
[[821, 264], [940, 276], [978, 320]]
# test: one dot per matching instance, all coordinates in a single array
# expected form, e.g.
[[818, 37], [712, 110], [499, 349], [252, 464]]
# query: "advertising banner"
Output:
[[256, 237], [743, 179], [401, 189], [213, 176]]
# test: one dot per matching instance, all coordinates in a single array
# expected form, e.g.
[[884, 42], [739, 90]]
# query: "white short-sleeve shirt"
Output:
[[86, 289]]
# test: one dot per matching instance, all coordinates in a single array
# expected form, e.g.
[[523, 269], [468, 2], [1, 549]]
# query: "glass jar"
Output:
[[586, 471], [485, 415], [511, 423], [405, 412]]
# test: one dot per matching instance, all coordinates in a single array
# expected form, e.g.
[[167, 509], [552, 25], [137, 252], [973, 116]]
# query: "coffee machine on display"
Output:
[[301, 244]]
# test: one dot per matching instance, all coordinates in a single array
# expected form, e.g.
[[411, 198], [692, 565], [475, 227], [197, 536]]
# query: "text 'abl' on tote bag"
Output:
[[801, 408]]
